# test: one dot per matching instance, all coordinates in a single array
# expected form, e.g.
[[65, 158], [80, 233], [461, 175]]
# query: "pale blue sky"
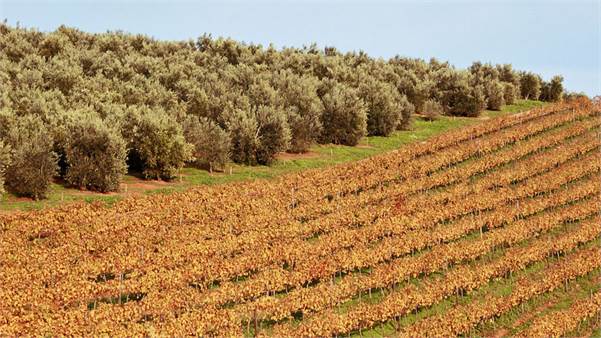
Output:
[[548, 37]]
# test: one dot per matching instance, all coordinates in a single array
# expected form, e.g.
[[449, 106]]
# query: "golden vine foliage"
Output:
[[248, 258], [557, 324]]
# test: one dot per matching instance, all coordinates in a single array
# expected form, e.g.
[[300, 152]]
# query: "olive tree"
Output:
[[5, 160], [304, 109], [344, 119], [432, 110], [495, 94], [211, 142], [95, 155], [552, 91], [407, 110], [156, 143], [456, 94], [273, 131], [33, 163], [383, 107], [530, 86], [510, 93]]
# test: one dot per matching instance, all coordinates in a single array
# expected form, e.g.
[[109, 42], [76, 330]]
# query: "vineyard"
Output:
[[467, 233]]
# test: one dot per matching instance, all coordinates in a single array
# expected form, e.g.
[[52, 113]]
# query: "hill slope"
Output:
[[433, 239], [90, 108]]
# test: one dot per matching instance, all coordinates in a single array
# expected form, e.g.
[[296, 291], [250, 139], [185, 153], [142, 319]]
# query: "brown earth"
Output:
[[289, 156]]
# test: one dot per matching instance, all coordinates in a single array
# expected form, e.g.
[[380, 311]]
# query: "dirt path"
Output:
[[290, 156]]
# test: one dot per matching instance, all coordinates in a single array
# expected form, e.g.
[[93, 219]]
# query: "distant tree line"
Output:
[[90, 107]]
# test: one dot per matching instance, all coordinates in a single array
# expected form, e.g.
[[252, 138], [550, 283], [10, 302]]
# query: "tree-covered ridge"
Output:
[[130, 101]]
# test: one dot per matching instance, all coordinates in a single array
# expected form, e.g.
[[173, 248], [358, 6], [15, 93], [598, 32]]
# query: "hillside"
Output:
[[318, 156], [88, 109], [469, 233]]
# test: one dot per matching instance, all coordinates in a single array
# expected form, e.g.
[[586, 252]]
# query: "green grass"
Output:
[[499, 288], [520, 106], [320, 156], [58, 194], [556, 300]]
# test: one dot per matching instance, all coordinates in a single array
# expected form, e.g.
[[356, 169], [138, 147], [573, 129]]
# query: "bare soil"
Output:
[[364, 146], [289, 156]]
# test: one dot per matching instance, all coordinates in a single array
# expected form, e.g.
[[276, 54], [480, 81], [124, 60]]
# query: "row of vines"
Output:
[[511, 204]]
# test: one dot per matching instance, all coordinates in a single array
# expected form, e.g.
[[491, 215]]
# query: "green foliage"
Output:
[[14, 44], [556, 88], [156, 142], [264, 100], [457, 96], [552, 91], [5, 160], [508, 75], [273, 131], [530, 86], [211, 143], [432, 110], [33, 164], [407, 110], [258, 135], [495, 94], [95, 155], [484, 72], [62, 74], [7, 121], [304, 110], [344, 118], [493, 80], [53, 44], [383, 107], [468, 102], [243, 129], [414, 79], [510, 93], [324, 156]]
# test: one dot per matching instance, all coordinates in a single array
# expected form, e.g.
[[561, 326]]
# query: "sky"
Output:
[[548, 37]]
